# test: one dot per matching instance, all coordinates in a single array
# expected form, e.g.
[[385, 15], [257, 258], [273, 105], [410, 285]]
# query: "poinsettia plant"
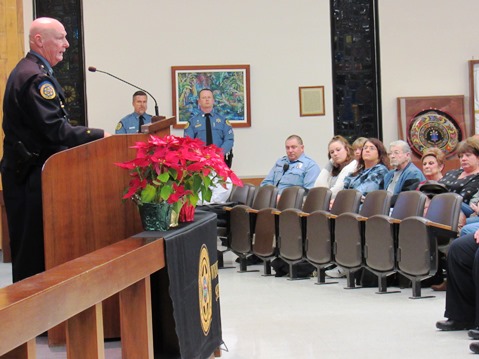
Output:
[[173, 169]]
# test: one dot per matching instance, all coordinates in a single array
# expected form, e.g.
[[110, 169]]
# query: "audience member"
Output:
[[294, 169], [371, 168], [432, 164], [405, 176], [358, 147], [462, 294], [341, 164], [211, 127], [465, 180], [36, 125], [368, 176], [132, 123]]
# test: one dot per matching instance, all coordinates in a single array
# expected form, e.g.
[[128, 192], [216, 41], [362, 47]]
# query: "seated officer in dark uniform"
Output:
[[36, 125]]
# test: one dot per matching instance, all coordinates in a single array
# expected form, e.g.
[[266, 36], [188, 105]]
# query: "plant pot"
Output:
[[175, 213], [155, 216]]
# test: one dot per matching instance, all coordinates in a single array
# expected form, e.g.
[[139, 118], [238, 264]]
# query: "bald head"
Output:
[[48, 38]]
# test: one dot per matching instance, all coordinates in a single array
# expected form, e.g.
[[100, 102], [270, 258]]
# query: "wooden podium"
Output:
[[83, 210]]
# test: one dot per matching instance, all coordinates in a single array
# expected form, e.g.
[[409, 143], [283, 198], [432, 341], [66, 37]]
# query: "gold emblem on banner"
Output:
[[205, 290]]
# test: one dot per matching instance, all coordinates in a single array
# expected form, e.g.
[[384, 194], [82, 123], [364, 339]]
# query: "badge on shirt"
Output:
[[47, 91], [119, 126]]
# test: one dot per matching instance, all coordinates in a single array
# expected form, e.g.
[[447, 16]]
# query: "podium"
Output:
[[82, 206]]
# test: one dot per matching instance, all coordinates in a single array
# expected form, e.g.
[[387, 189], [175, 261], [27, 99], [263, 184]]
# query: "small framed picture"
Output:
[[230, 85], [311, 101]]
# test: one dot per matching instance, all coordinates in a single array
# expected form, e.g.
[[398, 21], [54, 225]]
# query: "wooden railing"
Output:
[[74, 291]]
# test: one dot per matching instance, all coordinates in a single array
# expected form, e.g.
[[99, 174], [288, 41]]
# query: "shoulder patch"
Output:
[[47, 91], [228, 122], [119, 126], [187, 125]]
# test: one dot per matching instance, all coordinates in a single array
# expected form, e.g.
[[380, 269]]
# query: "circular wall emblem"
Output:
[[205, 290], [434, 128]]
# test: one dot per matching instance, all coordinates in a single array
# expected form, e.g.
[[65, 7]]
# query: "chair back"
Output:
[[243, 195], [317, 199], [291, 197], [265, 197], [445, 208], [376, 202], [409, 203], [347, 200]]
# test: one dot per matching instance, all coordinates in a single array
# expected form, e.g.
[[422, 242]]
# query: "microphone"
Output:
[[285, 168], [94, 69]]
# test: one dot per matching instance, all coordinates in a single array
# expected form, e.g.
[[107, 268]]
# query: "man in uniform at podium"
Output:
[[36, 125], [132, 123], [210, 127]]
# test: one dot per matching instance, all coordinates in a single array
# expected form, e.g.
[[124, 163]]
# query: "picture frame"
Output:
[[231, 90], [474, 94], [311, 101]]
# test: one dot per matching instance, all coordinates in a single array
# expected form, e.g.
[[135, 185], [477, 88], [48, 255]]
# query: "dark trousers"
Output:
[[462, 296], [23, 204]]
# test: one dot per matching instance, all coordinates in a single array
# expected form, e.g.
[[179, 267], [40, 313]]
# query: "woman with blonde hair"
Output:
[[340, 165]]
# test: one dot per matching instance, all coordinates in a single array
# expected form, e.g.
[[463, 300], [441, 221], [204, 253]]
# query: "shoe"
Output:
[[450, 325], [473, 333], [337, 272], [474, 347], [439, 287]]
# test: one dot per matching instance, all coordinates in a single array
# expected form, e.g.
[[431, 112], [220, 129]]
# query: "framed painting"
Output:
[[311, 101], [231, 89], [474, 94]]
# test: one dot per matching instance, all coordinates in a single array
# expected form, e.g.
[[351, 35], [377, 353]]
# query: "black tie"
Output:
[[141, 123], [209, 134]]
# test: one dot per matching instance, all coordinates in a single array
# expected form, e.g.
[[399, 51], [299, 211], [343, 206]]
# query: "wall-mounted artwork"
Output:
[[231, 89]]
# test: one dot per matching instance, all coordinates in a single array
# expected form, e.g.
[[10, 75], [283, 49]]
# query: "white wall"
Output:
[[425, 46]]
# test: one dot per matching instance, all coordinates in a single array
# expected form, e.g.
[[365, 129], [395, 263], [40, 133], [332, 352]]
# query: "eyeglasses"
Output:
[[371, 148]]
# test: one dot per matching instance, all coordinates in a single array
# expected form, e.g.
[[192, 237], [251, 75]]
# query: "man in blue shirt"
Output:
[[221, 130], [132, 122], [406, 176], [294, 169]]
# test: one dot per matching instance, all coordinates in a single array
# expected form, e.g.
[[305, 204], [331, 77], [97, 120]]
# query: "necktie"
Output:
[[209, 134], [141, 123]]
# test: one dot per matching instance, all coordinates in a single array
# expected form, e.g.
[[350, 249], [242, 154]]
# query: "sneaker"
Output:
[[337, 272]]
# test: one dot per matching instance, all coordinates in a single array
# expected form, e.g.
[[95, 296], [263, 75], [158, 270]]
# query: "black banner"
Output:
[[185, 295]]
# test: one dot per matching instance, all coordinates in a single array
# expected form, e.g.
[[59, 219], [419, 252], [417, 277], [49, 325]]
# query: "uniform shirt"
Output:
[[221, 129], [302, 172], [130, 123], [34, 112]]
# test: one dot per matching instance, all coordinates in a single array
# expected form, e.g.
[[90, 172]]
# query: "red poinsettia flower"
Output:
[[174, 169]]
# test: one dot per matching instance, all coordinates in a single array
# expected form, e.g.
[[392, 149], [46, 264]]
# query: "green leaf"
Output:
[[148, 194]]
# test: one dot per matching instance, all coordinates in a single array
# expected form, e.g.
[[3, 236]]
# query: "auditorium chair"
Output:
[[349, 233], [239, 196], [318, 246], [264, 243], [242, 223], [381, 236], [420, 237], [292, 227]]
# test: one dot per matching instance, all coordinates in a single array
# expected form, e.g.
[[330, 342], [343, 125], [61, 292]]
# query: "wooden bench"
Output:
[[74, 291]]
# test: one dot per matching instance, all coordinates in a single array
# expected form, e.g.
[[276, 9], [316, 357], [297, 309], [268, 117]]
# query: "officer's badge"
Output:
[[187, 125], [228, 123], [119, 126], [218, 120], [47, 91]]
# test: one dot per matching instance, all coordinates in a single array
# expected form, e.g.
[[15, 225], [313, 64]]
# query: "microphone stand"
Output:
[[94, 69]]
